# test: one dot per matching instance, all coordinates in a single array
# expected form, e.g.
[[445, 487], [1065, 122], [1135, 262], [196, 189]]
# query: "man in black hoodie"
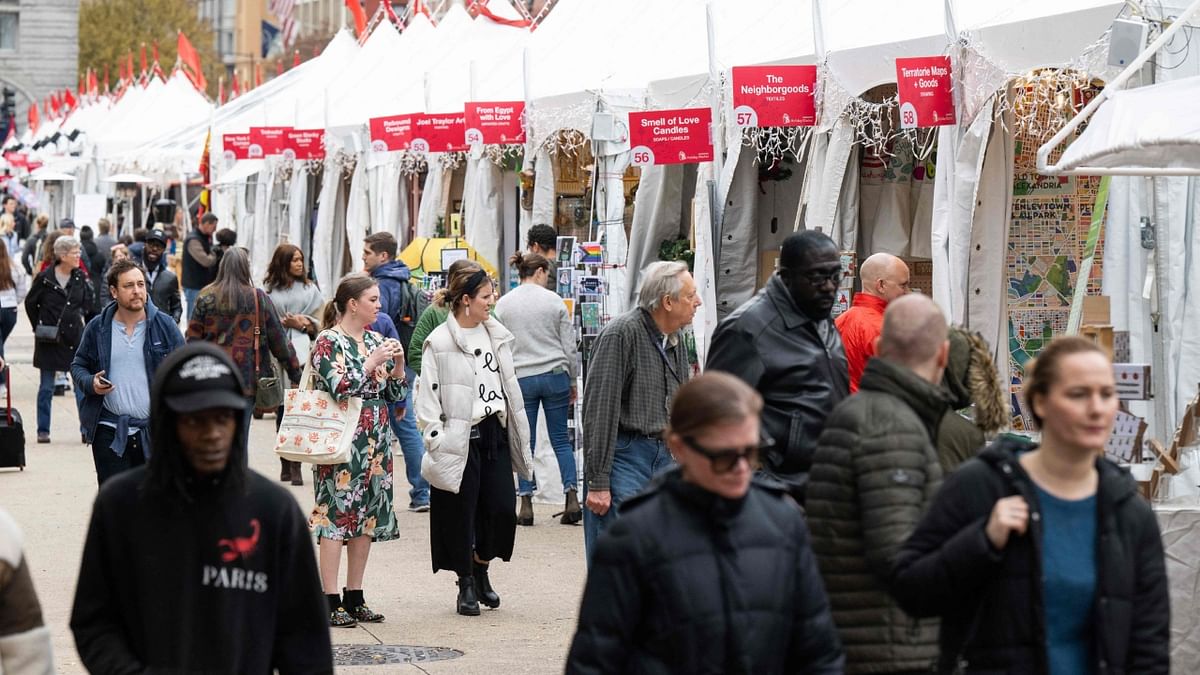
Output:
[[192, 562]]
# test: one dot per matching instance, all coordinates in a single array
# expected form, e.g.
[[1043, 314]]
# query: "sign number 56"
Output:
[[641, 158]]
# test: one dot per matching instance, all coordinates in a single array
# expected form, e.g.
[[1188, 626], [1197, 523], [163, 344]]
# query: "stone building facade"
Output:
[[39, 49]]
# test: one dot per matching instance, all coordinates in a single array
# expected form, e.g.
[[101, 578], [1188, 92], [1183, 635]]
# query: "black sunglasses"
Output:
[[725, 459], [819, 277]]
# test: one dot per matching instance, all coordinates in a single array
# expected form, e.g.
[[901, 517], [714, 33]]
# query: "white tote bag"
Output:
[[316, 427]]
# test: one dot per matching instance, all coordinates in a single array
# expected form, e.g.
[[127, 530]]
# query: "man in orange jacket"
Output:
[[884, 278]]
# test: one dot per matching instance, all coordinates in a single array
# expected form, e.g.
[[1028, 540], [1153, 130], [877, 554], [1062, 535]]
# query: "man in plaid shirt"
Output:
[[637, 363]]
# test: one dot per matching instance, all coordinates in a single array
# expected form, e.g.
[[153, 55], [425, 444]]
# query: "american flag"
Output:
[[285, 10]]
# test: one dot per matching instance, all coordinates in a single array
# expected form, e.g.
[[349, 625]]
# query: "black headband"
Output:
[[474, 282]]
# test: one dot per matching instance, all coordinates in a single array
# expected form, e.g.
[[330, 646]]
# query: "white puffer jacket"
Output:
[[446, 393]]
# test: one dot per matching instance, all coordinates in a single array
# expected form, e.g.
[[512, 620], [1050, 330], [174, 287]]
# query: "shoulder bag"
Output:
[[268, 395], [317, 428], [47, 333]]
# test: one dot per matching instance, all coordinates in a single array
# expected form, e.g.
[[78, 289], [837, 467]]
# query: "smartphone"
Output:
[[102, 382]]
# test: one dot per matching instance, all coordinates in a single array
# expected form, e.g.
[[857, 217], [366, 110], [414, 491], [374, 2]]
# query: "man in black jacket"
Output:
[[164, 285], [783, 343], [193, 563], [199, 261], [875, 469]]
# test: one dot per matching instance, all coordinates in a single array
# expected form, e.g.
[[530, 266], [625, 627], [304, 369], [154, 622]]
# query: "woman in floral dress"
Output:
[[354, 500]]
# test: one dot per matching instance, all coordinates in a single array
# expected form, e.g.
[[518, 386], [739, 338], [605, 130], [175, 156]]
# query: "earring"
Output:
[[468, 310]]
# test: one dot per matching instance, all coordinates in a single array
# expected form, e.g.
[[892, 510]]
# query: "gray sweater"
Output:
[[545, 336]]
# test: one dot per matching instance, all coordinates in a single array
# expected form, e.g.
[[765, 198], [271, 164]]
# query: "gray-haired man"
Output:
[[637, 363]]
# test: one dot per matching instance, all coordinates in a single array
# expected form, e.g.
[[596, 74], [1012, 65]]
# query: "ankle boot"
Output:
[[285, 470], [297, 473], [338, 616], [468, 603], [483, 586], [525, 517], [357, 607], [571, 512]]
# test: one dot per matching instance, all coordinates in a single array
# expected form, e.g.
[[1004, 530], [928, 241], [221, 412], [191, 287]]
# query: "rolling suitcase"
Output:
[[12, 432]]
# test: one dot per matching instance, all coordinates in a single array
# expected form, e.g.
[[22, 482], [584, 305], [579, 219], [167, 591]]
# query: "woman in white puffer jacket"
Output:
[[470, 410]]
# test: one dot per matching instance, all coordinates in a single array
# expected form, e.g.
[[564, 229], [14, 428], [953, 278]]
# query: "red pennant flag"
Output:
[[143, 59], [205, 173], [360, 18], [34, 122], [155, 48], [220, 90], [94, 84], [106, 78], [190, 59], [70, 100], [130, 66], [258, 76], [295, 58], [481, 9], [391, 13], [54, 106], [234, 90]]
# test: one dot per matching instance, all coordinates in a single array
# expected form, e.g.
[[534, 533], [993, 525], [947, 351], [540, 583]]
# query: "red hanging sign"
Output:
[[391, 133], [926, 95], [493, 123], [671, 136], [266, 141], [18, 160], [236, 146], [304, 144], [775, 96], [439, 133]]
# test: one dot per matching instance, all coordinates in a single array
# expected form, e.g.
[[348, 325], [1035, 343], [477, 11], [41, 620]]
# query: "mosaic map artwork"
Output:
[[1047, 237]]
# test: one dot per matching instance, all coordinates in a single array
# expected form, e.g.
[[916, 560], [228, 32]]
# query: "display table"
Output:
[[1180, 525]]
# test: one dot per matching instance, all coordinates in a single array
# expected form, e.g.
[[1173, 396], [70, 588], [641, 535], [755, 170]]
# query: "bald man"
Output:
[[884, 278], [875, 469]]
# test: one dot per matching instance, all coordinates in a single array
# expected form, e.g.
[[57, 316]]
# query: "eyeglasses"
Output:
[[819, 277], [724, 460]]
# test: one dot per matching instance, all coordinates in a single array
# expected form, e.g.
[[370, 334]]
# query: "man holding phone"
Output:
[[120, 351]]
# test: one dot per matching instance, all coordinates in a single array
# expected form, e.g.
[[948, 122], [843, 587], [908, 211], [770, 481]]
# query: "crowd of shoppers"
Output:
[[930, 549]]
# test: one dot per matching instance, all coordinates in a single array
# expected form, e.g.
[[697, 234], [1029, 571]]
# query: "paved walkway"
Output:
[[540, 588]]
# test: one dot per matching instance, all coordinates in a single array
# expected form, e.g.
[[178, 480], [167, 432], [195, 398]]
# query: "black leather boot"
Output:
[[525, 516], [285, 470], [297, 473], [483, 587], [572, 514], [468, 604]]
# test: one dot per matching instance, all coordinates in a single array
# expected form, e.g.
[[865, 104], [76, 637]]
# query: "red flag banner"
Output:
[[34, 122], [360, 18], [190, 59], [439, 133], [671, 136], [925, 92], [774, 96], [391, 133], [481, 9], [236, 146], [304, 144], [266, 141], [497, 122]]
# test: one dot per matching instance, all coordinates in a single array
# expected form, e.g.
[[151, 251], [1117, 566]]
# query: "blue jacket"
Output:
[[95, 354], [390, 275]]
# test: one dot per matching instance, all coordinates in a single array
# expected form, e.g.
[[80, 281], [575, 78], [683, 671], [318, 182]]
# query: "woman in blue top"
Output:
[[1044, 559]]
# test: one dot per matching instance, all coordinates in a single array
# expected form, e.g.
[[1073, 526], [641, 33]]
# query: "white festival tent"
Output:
[[1142, 131]]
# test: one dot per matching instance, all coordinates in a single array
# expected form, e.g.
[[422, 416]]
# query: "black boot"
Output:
[[285, 470], [572, 514], [483, 586], [468, 604], [338, 616], [357, 607], [525, 517], [297, 474]]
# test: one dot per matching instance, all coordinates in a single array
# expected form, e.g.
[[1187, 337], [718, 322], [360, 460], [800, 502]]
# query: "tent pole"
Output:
[[716, 213], [1164, 426], [1043, 153]]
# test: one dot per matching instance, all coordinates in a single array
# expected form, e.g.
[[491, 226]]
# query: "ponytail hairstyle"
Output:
[[351, 287], [528, 264], [443, 298]]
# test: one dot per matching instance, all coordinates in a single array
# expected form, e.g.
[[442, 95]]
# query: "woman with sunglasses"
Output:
[[708, 569]]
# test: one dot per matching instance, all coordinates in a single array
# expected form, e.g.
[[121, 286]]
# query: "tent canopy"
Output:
[[1147, 130]]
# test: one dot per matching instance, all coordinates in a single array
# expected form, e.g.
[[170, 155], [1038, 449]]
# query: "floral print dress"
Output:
[[355, 499]]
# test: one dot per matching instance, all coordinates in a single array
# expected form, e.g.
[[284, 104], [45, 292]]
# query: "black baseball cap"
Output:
[[66, 223], [156, 235], [202, 380]]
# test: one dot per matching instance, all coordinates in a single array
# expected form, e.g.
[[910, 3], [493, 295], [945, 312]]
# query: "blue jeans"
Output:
[[412, 446], [552, 392], [8, 320], [45, 399], [189, 296], [636, 460], [78, 391]]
